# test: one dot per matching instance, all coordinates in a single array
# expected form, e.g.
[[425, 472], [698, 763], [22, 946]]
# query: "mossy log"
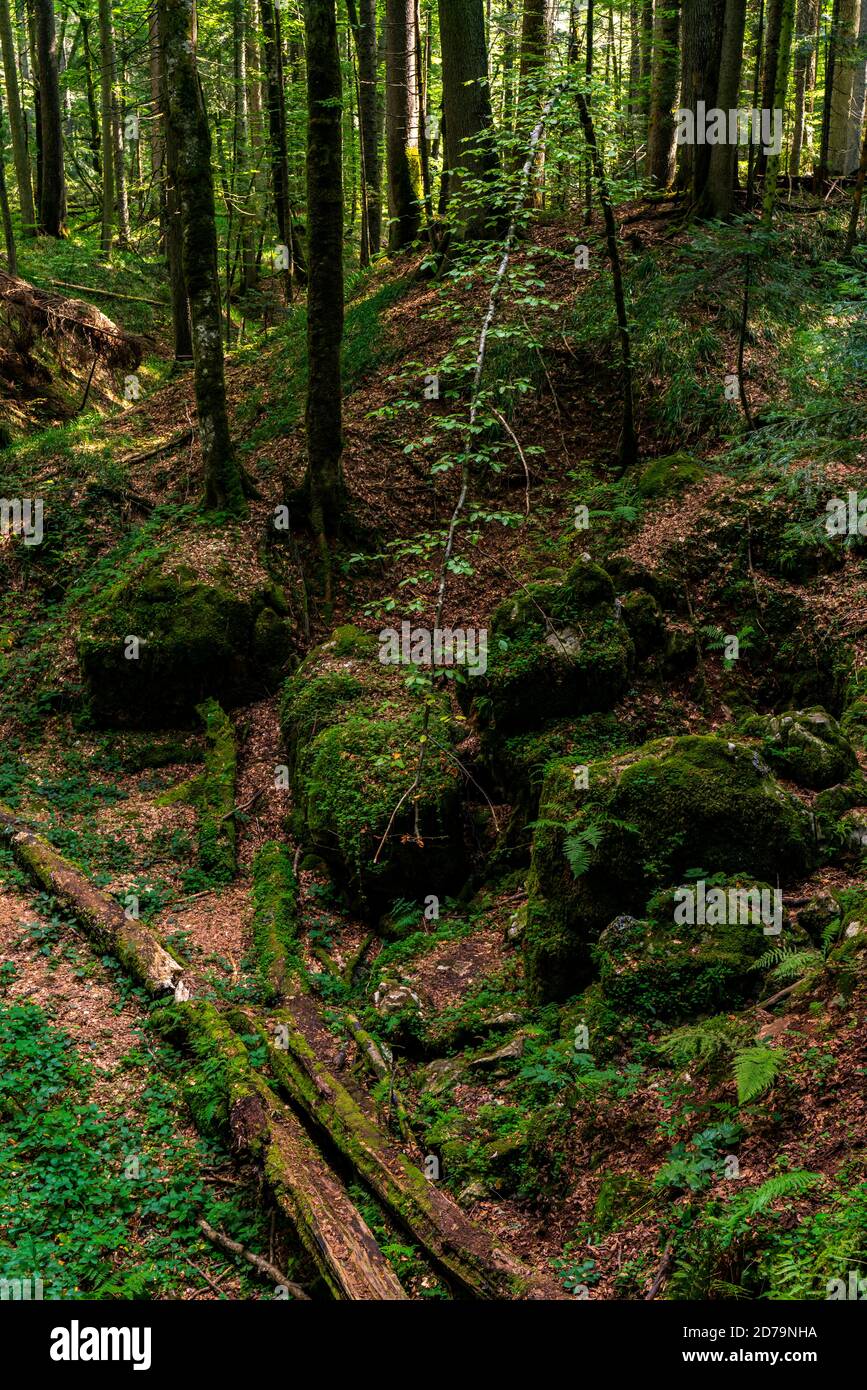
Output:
[[471, 1259], [102, 917], [306, 1190]]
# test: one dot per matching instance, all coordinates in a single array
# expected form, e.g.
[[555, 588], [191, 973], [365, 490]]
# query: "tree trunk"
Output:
[[468, 119], [8, 233], [324, 415], [308, 1192], [181, 331], [859, 87], [404, 190], [805, 76], [859, 193], [106, 68], [839, 133], [702, 44], [52, 205], [363, 21], [117, 142], [188, 135], [784, 59], [645, 58], [272, 52], [663, 94], [16, 124], [720, 188], [92, 110]]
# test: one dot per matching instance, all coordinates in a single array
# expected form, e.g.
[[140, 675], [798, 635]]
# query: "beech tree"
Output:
[[52, 194]]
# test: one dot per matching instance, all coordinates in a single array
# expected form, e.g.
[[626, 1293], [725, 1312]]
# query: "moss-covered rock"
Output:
[[806, 745], [644, 622], [667, 969], [156, 643], [555, 649], [670, 474], [645, 818], [383, 822]]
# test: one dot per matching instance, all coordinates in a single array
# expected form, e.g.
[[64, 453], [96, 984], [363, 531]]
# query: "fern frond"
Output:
[[756, 1070]]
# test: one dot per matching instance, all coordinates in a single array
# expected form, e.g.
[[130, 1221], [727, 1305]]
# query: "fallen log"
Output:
[[309, 1194], [102, 917], [471, 1259]]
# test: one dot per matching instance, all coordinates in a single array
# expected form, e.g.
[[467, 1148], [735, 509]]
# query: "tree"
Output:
[[469, 144], [17, 131], [841, 159], [272, 52], [784, 55], [720, 187], [189, 138], [663, 94], [702, 44], [362, 18], [106, 80], [52, 199], [324, 484], [805, 76], [174, 241], [402, 172]]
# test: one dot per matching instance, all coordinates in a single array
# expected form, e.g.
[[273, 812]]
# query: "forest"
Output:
[[433, 653]]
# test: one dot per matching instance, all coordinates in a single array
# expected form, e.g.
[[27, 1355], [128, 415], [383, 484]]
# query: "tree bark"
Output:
[[720, 188], [784, 57], [363, 20], [702, 22], [469, 120], [52, 204], [839, 132], [859, 87], [324, 415], [663, 94], [16, 124], [805, 76], [404, 192], [8, 232], [188, 135], [272, 53]]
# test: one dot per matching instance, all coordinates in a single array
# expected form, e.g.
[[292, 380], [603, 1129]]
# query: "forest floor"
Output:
[[600, 1174]]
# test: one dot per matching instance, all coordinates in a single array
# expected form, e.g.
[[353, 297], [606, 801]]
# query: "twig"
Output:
[[265, 1267], [661, 1272]]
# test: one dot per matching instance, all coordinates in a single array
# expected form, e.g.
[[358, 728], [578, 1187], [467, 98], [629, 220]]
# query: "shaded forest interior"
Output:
[[433, 700]]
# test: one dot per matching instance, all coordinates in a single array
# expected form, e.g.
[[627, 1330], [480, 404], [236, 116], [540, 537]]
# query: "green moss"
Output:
[[555, 649], [275, 919], [673, 473], [806, 745], [354, 734], [195, 640], [640, 613], [216, 795], [647, 817]]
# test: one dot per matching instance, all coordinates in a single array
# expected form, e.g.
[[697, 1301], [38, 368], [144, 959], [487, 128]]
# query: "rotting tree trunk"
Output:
[[187, 129], [718, 201], [363, 21], [52, 201], [663, 95], [307, 1191], [469, 1256], [16, 123], [323, 483], [404, 201], [469, 140], [104, 920]]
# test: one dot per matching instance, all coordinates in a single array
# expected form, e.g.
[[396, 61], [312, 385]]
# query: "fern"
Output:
[[577, 848], [756, 1070], [703, 1043], [782, 1185]]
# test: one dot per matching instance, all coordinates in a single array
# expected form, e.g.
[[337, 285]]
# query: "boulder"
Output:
[[645, 819]]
